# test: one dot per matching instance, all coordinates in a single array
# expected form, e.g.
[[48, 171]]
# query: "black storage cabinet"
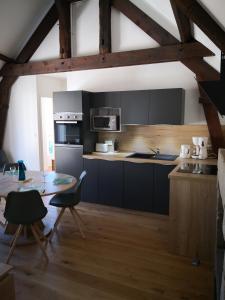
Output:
[[111, 182], [138, 186], [90, 187], [161, 188]]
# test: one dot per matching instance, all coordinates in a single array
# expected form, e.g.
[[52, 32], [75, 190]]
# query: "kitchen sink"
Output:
[[152, 156]]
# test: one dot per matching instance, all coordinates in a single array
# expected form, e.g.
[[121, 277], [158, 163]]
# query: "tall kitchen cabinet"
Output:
[[68, 156]]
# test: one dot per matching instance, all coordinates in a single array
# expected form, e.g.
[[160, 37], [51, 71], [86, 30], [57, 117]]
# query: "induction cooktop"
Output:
[[198, 168]]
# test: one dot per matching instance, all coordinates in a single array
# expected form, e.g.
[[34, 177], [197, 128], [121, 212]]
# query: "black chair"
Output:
[[24, 209], [69, 200], [3, 159], [9, 165]]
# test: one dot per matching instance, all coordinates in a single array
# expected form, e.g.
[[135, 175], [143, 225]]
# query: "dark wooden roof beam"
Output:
[[63, 8], [109, 60], [194, 11], [6, 58], [183, 23], [105, 26]]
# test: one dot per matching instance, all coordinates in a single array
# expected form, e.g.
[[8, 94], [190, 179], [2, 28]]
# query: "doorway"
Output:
[[47, 128]]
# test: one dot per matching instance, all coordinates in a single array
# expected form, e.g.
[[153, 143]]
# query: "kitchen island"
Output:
[[193, 207]]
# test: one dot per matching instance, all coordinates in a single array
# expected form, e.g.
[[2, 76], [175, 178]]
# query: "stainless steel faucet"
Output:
[[157, 151]]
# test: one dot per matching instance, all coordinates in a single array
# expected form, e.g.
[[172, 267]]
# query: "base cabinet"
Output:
[[193, 218], [138, 186], [90, 187], [161, 188], [110, 182]]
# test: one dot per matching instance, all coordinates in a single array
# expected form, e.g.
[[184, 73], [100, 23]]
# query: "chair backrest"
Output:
[[77, 189], [7, 167], [3, 159], [24, 207]]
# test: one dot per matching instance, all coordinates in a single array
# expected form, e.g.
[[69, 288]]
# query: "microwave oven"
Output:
[[105, 123]]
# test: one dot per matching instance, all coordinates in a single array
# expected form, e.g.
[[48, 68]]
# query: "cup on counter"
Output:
[[185, 151]]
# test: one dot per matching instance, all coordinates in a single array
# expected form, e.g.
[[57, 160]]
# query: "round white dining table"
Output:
[[47, 183]]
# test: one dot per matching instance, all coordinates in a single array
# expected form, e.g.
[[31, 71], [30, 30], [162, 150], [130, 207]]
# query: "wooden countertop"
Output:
[[122, 156]]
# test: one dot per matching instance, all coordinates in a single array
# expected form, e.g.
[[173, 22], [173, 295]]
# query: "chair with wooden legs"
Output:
[[25, 209], [69, 200]]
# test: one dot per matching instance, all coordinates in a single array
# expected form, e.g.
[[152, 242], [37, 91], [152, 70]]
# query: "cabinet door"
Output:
[[111, 182], [138, 186], [69, 160], [69, 101], [98, 100], [135, 107], [161, 188], [113, 99], [90, 186], [166, 106], [106, 99]]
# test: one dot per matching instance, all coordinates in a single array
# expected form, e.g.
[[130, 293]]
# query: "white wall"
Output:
[[21, 135], [46, 85]]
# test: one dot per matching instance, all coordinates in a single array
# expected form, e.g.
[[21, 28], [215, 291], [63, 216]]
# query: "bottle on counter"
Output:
[[22, 169]]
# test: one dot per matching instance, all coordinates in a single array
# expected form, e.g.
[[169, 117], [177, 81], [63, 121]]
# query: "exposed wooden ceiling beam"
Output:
[[109, 60], [105, 26], [147, 24], [183, 23], [211, 114], [193, 10], [6, 58], [213, 122], [201, 68], [63, 8], [31, 46]]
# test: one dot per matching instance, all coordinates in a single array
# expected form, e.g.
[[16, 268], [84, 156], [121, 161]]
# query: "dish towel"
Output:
[[39, 188], [65, 180]]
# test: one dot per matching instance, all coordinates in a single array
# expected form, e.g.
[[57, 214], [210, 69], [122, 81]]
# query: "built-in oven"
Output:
[[68, 128]]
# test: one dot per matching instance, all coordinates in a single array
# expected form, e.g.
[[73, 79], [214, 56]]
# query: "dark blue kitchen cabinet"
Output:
[[90, 186], [106, 99], [161, 188], [138, 186], [68, 101], [135, 107], [111, 182], [166, 106]]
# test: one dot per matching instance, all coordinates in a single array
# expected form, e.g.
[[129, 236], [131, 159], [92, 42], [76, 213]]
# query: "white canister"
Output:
[[185, 151]]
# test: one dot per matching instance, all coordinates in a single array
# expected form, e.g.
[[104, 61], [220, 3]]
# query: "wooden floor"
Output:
[[124, 257]]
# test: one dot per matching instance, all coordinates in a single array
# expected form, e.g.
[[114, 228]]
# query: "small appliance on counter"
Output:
[[102, 147], [200, 151], [110, 144], [185, 151]]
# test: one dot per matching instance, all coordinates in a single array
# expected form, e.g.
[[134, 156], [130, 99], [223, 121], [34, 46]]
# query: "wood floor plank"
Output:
[[125, 256]]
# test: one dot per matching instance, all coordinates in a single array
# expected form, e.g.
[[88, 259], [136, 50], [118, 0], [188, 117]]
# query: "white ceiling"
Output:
[[18, 19]]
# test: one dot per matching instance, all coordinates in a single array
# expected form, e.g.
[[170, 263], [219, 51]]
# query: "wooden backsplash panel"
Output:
[[167, 138]]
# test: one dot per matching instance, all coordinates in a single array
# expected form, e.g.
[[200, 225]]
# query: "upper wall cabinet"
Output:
[[68, 101], [106, 99], [166, 106], [145, 107], [135, 107]]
